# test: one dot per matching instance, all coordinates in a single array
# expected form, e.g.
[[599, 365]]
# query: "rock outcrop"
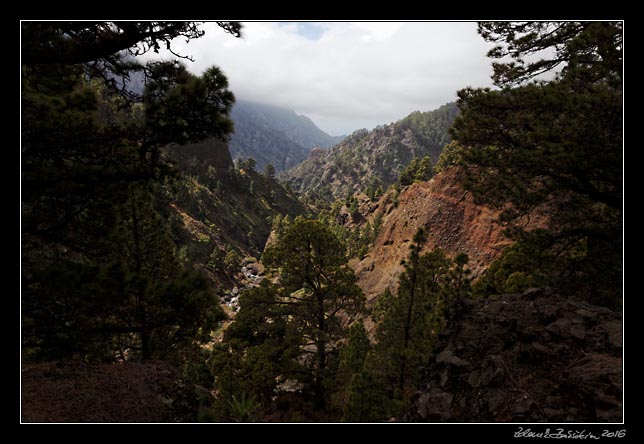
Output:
[[449, 215], [533, 357], [209, 153]]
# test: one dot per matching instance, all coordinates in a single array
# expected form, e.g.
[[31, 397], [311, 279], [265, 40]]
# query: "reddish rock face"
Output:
[[452, 220]]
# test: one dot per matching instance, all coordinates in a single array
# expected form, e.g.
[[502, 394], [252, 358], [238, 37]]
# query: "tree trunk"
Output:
[[318, 386], [407, 337]]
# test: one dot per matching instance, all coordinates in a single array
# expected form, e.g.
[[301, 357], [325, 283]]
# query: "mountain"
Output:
[[372, 158], [274, 135], [221, 214]]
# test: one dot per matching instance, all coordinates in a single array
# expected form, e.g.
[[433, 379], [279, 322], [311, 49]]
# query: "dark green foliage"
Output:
[[101, 275], [592, 49], [556, 144], [216, 259], [291, 330], [269, 171], [136, 301], [360, 395], [353, 205], [244, 409], [354, 352], [359, 238], [233, 216], [432, 126], [247, 165], [182, 108], [527, 263], [318, 286], [429, 290], [450, 156], [232, 260], [72, 43], [418, 170], [365, 398], [258, 348]]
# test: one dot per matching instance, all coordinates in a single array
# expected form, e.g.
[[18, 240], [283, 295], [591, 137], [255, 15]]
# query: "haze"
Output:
[[346, 75]]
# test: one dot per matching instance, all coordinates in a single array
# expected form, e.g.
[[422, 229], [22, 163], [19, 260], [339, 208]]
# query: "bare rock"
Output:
[[435, 404], [447, 357], [543, 358]]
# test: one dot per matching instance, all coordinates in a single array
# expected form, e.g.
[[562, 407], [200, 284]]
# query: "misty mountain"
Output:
[[274, 135]]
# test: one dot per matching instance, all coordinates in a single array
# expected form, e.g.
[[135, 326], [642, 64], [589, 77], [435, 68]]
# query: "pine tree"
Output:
[[418, 170], [100, 271], [556, 143], [424, 170], [353, 352], [317, 288], [449, 156], [407, 175], [269, 171], [409, 322], [365, 396], [360, 395], [259, 348]]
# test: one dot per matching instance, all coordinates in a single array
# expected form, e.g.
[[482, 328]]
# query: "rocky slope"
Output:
[[215, 208], [532, 357], [452, 220], [128, 392], [274, 135], [372, 158]]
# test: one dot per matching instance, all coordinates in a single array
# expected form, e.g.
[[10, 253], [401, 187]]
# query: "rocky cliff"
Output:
[[532, 357], [451, 218]]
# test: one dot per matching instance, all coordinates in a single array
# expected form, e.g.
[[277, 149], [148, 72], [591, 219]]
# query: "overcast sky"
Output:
[[346, 75]]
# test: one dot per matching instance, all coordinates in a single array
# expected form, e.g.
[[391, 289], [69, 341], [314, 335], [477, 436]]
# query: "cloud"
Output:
[[346, 75]]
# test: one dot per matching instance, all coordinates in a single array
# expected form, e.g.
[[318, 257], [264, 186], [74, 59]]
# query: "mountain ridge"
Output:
[[372, 158], [275, 135]]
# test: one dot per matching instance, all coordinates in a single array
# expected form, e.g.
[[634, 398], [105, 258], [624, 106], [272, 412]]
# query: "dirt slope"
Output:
[[128, 392]]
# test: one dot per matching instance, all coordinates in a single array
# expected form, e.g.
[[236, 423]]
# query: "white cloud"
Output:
[[353, 75]]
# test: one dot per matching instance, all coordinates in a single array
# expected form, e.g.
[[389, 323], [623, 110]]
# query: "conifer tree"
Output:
[[317, 288], [556, 143], [409, 322], [365, 397], [101, 276], [269, 171], [353, 352]]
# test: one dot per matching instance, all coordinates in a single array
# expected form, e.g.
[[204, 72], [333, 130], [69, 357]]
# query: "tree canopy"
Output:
[[100, 273], [553, 143]]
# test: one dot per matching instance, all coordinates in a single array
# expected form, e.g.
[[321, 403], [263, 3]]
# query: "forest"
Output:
[[224, 292]]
